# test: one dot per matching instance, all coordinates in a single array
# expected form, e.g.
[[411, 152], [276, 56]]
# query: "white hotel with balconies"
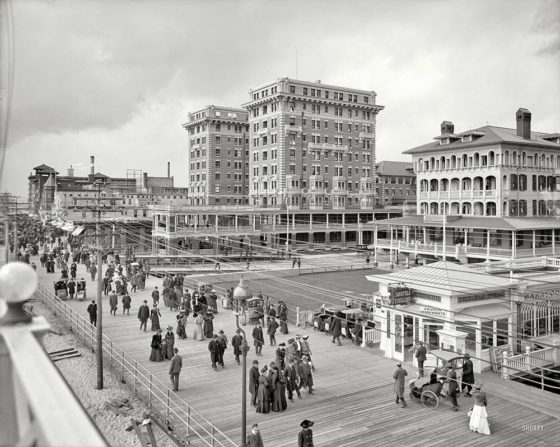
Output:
[[478, 191]]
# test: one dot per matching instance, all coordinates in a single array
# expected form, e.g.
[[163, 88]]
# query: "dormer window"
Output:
[[444, 140], [466, 138]]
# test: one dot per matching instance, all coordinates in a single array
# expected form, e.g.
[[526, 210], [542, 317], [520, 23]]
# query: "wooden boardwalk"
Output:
[[353, 403]]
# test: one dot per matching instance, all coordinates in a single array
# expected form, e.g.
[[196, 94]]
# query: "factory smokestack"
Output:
[[168, 169], [91, 168]]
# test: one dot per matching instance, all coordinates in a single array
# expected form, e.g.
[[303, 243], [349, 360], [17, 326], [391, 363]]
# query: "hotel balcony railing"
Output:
[[436, 248], [458, 194], [37, 406]]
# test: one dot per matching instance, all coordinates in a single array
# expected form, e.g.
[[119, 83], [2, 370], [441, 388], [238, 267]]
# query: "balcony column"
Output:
[[216, 224], [488, 245], [327, 220], [424, 241], [237, 223], [513, 244], [8, 418], [310, 221], [534, 243], [391, 245], [553, 242], [273, 223]]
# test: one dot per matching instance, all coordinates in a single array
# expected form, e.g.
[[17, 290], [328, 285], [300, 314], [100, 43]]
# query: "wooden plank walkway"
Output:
[[353, 403]]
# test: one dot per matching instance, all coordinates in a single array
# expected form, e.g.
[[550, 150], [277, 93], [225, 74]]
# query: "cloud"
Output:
[[116, 79]]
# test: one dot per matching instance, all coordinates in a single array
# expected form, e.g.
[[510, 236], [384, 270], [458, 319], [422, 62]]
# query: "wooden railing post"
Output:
[[297, 316], [363, 345], [505, 371]]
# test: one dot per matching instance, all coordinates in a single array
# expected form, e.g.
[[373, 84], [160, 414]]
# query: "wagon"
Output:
[[81, 290], [428, 394], [61, 289], [255, 309]]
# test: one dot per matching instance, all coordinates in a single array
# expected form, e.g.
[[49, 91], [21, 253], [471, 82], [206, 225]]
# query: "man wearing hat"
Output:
[[236, 342], [214, 348], [175, 369], [143, 315], [468, 375], [453, 387], [254, 382], [305, 436], [258, 338], [399, 375], [306, 350], [254, 438], [421, 357], [305, 374]]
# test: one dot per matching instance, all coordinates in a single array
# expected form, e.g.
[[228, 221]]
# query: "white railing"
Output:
[[370, 336], [187, 423], [38, 407], [527, 361], [304, 317]]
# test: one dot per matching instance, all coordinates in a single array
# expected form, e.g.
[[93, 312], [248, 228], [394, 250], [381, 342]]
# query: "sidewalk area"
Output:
[[353, 403]]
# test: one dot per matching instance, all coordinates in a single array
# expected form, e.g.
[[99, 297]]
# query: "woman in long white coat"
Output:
[[479, 417], [198, 320]]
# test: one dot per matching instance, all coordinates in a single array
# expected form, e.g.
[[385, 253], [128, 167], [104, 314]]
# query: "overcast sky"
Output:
[[115, 79]]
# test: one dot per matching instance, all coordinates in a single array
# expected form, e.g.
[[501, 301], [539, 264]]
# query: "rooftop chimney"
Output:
[[91, 168], [523, 123], [70, 171], [168, 169], [447, 127]]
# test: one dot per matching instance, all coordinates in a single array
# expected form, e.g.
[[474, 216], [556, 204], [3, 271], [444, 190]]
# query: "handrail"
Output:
[[169, 406], [45, 411]]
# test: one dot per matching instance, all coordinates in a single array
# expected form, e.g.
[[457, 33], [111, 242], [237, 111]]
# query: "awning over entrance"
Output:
[[485, 312]]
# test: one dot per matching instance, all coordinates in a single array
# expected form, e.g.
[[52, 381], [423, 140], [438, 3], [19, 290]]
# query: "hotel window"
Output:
[[326, 124], [218, 140], [292, 88], [305, 91], [218, 127]]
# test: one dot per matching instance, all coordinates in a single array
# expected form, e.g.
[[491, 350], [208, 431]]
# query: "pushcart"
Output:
[[81, 290]]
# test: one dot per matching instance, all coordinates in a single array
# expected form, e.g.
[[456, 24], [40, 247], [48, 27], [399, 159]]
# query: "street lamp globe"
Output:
[[18, 281], [241, 294]]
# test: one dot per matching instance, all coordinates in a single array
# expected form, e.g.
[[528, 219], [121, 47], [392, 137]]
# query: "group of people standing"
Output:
[[446, 380]]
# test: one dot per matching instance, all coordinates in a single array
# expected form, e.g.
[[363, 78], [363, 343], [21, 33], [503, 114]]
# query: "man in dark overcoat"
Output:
[[421, 358], [236, 342], [292, 378], [335, 329], [254, 382], [468, 375], [214, 348], [143, 315]]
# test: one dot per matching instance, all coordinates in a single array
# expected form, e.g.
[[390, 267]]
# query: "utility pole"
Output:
[[7, 239], [99, 349], [15, 235]]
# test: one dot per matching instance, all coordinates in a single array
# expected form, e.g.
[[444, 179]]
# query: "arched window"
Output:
[[454, 161], [491, 158], [476, 159]]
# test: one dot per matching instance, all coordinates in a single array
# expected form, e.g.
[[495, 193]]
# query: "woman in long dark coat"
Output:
[[169, 343], [263, 393], [154, 316], [278, 386], [156, 355], [209, 325], [182, 325]]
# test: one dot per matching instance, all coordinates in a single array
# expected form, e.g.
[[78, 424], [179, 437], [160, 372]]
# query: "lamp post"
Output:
[[240, 296]]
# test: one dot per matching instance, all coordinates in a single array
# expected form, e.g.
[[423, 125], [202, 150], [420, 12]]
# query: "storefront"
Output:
[[446, 306]]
